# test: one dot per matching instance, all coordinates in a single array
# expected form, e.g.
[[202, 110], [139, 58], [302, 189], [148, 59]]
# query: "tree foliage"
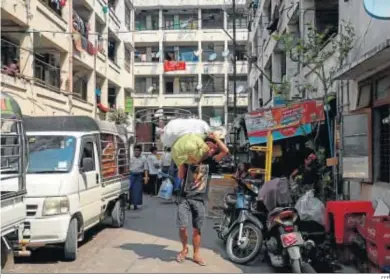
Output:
[[118, 116], [314, 51]]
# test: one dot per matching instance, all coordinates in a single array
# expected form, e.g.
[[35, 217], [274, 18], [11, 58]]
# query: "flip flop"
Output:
[[199, 262], [182, 256]]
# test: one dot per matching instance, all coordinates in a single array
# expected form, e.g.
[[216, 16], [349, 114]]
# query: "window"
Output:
[[382, 114], [327, 17], [382, 88], [168, 85], [123, 164], [54, 6], [213, 84], [212, 19], [188, 85], [240, 52], [80, 86], [212, 48], [140, 85], [127, 59], [241, 20], [127, 17], [88, 152], [112, 45], [147, 20], [241, 81], [357, 146], [112, 97], [364, 97]]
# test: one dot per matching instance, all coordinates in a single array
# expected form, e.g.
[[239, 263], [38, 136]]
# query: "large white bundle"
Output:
[[180, 127]]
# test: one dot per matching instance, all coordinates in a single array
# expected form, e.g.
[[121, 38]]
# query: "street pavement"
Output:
[[148, 243]]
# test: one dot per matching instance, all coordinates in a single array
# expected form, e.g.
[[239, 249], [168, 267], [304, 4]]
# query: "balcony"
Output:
[[16, 12], [220, 35], [213, 68], [181, 35], [241, 68], [114, 23], [80, 107], [148, 68], [101, 16], [83, 57], [242, 99], [101, 63], [48, 18], [186, 3], [148, 36]]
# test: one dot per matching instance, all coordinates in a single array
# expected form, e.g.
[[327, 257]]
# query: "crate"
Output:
[[352, 221], [376, 230], [378, 255]]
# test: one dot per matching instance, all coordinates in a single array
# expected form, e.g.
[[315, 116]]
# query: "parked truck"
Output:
[[14, 230], [78, 176]]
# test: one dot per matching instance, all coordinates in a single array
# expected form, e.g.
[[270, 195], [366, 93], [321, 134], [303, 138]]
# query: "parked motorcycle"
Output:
[[241, 230], [284, 244]]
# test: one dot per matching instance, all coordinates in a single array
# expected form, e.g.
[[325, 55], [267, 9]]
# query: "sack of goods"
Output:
[[166, 189], [186, 139]]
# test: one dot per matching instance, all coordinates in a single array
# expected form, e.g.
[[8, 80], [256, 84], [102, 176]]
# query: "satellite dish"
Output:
[[379, 9], [150, 89], [158, 54], [212, 56], [225, 53], [184, 24], [199, 87], [240, 89], [198, 52]]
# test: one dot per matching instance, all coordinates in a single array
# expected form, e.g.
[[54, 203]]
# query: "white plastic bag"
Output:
[[310, 208], [180, 127], [166, 190]]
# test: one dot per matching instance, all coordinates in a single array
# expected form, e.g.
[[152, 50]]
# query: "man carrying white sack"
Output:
[[195, 169]]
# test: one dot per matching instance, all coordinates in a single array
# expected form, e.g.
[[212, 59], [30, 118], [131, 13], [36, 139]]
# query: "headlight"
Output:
[[55, 206]]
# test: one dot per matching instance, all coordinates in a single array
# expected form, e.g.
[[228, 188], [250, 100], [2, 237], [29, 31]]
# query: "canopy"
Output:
[[9, 107]]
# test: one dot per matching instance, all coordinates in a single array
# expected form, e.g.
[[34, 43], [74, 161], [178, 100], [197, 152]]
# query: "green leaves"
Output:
[[118, 116]]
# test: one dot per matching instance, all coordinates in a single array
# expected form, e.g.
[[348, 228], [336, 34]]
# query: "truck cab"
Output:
[[13, 178], [78, 176]]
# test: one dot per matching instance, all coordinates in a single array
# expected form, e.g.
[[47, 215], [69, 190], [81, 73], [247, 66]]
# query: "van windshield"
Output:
[[51, 154]]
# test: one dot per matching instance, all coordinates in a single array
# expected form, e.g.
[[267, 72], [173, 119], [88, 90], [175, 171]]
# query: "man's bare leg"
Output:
[[196, 239], [184, 239]]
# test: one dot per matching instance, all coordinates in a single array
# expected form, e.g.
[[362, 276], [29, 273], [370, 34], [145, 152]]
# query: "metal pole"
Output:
[[234, 81]]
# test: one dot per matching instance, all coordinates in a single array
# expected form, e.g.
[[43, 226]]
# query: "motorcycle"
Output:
[[285, 245], [241, 230]]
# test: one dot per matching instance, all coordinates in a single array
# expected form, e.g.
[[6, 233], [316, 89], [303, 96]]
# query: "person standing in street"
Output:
[[166, 160], [138, 172], [193, 196], [154, 166]]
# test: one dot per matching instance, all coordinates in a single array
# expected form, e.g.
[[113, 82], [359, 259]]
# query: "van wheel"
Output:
[[70, 247], [118, 214]]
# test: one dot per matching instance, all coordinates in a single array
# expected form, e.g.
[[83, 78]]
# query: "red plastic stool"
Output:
[[339, 209]]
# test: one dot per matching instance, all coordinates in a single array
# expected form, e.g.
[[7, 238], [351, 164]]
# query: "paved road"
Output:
[[148, 243]]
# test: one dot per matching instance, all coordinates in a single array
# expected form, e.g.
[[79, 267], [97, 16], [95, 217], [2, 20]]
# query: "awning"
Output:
[[373, 61]]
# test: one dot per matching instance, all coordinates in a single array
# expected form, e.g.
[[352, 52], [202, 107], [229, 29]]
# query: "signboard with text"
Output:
[[129, 105], [284, 122], [171, 66]]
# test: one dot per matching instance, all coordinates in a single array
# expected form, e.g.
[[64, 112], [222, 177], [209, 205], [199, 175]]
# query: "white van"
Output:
[[78, 175]]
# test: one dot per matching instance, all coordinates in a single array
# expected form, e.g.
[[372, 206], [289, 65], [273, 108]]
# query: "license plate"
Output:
[[291, 239]]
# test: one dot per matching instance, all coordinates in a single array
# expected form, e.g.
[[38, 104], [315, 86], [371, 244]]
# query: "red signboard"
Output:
[[283, 119], [170, 66]]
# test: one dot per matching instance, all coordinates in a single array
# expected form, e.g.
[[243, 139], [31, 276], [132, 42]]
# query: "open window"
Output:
[[357, 146], [88, 152]]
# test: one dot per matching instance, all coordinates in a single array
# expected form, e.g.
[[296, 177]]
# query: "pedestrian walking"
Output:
[[138, 175], [166, 160], [154, 166], [193, 195]]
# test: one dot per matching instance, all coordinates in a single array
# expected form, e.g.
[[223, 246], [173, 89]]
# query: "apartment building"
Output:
[[74, 57], [183, 57], [362, 86]]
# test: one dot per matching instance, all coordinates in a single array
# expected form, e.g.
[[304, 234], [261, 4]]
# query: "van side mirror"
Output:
[[87, 165]]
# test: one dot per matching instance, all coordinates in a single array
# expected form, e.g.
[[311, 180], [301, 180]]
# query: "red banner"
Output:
[[284, 118], [170, 66]]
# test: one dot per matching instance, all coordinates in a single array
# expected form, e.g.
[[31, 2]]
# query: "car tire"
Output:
[[118, 214], [71, 242]]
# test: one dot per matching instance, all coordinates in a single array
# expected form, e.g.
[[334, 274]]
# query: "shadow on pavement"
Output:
[[158, 218], [151, 251]]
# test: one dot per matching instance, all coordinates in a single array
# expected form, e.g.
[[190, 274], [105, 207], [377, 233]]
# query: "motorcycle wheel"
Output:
[[231, 244], [296, 266]]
